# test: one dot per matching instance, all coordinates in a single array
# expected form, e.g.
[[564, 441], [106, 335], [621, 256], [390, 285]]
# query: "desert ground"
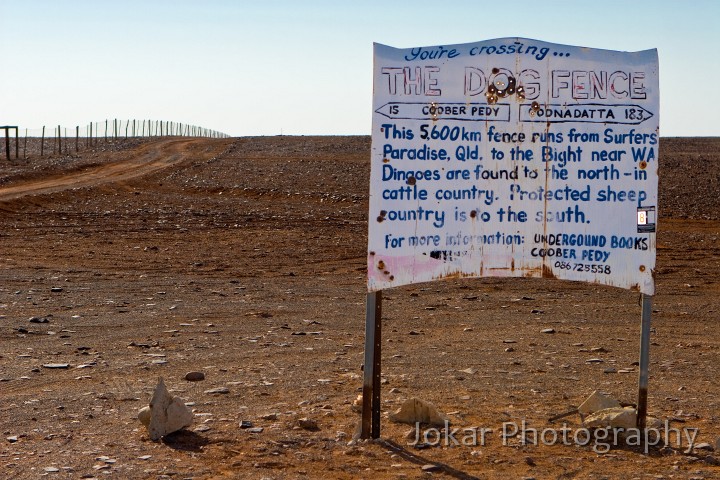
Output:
[[245, 259]]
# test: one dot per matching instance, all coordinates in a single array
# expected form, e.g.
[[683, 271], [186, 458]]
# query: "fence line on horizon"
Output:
[[62, 140]]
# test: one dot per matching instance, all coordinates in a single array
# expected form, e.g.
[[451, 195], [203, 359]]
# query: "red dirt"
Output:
[[245, 259]]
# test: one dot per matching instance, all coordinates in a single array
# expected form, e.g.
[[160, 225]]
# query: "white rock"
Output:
[[616, 417], [595, 402], [357, 404], [166, 414], [704, 446], [415, 410], [619, 417], [144, 416]]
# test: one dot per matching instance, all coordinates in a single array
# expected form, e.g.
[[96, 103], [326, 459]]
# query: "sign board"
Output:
[[513, 158]]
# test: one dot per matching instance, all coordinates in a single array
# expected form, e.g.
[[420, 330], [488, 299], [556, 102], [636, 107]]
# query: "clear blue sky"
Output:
[[305, 67]]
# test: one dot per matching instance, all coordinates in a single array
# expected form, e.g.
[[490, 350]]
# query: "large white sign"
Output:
[[513, 158]]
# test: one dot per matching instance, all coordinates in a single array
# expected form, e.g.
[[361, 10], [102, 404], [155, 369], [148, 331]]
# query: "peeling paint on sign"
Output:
[[514, 158]]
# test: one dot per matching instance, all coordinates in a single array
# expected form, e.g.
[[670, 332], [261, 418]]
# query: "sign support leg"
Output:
[[370, 427], [644, 361]]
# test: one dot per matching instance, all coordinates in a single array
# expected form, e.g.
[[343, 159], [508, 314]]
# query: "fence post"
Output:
[[106, 127], [77, 137], [42, 142], [7, 143], [59, 141], [25, 146]]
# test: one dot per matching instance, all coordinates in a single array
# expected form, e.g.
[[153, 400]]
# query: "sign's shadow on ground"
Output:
[[185, 441], [414, 458]]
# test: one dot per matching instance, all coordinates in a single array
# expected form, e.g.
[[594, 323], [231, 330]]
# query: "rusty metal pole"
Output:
[[17, 145], [644, 361], [370, 426]]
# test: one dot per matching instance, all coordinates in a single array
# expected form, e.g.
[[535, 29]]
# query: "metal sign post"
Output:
[[370, 427], [644, 361]]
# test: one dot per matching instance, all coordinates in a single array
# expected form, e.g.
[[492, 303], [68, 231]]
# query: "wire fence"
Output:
[[54, 140]]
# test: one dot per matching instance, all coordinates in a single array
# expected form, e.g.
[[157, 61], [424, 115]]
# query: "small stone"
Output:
[[194, 376], [255, 430], [430, 468], [12, 439], [202, 428], [599, 350], [357, 404], [270, 417], [610, 370], [246, 424], [509, 349], [218, 391], [56, 365], [703, 446], [548, 330], [595, 360], [38, 320], [536, 311], [51, 469]]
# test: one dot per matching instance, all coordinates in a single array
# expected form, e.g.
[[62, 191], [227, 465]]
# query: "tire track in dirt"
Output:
[[144, 160]]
